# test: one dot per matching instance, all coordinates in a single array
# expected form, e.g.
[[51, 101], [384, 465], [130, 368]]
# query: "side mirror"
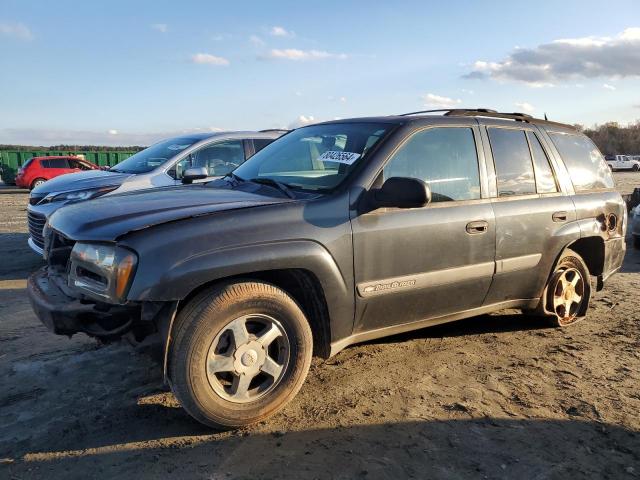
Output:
[[403, 192], [195, 173]]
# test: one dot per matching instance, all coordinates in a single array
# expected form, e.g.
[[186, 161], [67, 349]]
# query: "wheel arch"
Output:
[[592, 251]]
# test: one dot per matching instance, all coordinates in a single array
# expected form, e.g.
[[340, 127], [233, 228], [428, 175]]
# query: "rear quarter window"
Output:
[[587, 168]]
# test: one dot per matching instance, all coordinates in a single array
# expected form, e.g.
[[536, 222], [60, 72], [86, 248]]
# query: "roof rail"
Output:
[[486, 112], [267, 130], [449, 110]]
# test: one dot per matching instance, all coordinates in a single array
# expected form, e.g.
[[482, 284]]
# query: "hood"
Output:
[[80, 181], [107, 218]]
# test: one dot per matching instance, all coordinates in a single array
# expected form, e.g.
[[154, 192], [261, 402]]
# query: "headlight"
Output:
[[102, 271], [79, 195]]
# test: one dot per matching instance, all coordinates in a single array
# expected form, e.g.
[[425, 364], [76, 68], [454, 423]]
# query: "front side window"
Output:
[[445, 158], [219, 159], [260, 143], [587, 168], [154, 156], [545, 180], [74, 163], [315, 158], [512, 159]]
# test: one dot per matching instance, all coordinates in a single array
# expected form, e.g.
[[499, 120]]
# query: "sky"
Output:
[[125, 72]]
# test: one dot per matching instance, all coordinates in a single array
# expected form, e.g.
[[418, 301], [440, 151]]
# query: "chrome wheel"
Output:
[[247, 358], [568, 295]]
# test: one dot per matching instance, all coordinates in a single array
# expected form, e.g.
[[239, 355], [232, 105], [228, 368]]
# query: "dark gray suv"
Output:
[[336, 233]]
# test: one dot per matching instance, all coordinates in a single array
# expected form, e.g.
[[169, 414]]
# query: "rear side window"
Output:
[[514, 169], [545, 181], [58, 163], [587, 168], [445, 158]]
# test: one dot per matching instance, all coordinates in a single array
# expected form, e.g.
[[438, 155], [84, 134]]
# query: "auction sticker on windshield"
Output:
[[340, 157]]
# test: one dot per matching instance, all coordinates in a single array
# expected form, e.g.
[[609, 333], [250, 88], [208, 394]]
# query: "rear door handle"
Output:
[[477, 227], [559, 217]]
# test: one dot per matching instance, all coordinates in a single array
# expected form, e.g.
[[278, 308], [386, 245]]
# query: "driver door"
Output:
[[415, 264]]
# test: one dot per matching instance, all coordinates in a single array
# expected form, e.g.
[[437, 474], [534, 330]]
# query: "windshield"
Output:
[[154, 156], [318, 157]]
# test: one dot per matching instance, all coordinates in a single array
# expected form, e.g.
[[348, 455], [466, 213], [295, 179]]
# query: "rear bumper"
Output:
[[66, 315]]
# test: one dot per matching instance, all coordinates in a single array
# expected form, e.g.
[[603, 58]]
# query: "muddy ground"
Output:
[[497, 396]]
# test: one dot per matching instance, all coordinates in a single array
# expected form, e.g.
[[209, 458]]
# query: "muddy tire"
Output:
[[37, 182], [568, 291], [241, 352]]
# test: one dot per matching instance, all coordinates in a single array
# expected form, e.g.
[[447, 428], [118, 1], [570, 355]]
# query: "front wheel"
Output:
[[568, 291], [241, 352]]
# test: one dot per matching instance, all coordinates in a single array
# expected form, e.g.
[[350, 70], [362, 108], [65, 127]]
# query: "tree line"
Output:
[[613, 139], [73, 148]]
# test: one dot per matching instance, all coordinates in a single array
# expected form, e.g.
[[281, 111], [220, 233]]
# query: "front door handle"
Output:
[[477, 227], [559, 217]]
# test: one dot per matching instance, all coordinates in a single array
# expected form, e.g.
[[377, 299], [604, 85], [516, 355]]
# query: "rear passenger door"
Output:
[[58, 166], [531, 211], [421, 263]]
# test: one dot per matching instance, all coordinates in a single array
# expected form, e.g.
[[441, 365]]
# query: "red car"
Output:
[[38, 170]]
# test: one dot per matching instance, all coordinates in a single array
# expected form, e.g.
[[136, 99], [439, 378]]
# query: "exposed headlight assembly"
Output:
[[102, 271], [79, 195]]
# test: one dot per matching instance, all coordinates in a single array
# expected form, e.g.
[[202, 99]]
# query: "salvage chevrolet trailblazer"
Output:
[[336, 233]]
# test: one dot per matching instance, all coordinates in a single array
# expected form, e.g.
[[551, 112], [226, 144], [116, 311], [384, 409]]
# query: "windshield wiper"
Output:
[[116, 170], [234, 179], [283, 187]]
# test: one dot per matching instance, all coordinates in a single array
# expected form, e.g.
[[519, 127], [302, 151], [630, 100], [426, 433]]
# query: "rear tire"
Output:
[[37, 182], [568, 292], [635, 168], [241, 353]]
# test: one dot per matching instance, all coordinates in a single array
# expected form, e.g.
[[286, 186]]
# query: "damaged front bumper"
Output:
[[65, 314]]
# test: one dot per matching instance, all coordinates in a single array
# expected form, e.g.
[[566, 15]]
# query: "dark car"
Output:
[[163, 164], [38, 170], [336, 233]]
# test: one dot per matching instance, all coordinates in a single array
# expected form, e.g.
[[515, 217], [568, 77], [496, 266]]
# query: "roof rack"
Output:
[[486, 112]]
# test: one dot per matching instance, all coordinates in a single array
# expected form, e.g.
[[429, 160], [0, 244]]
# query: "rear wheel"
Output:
[[37, 182], [635, 168], [568, 291], [241, 352]]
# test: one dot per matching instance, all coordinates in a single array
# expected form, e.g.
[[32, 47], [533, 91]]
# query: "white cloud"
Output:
[[302, 120], [606, 86], [256, 40], [525, 107], [160, 27], [437, 101], [113, 132], [468, 92], [297, 55], [565, 59], [16, 30], [280, 32], [208, 59]]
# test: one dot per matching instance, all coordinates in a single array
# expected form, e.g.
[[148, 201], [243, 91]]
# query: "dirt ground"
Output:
[[497, 396]]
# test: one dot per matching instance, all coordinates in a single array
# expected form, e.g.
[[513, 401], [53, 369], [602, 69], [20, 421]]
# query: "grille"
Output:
[[36, 224]]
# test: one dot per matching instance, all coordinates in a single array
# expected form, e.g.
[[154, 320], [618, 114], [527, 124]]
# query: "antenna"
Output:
[[545, 116]]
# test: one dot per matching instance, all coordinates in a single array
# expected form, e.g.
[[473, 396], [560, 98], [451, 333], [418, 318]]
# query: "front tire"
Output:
[[568, 291], [241, 353]]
